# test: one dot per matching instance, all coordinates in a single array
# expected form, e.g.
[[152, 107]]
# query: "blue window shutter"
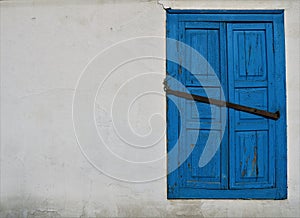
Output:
[[250, 82], [206, 39], [245, 49]]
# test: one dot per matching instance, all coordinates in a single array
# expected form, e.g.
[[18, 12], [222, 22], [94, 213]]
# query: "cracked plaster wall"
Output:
[[44, 47]]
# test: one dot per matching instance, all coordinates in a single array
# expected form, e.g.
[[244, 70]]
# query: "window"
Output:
[[245, 50]]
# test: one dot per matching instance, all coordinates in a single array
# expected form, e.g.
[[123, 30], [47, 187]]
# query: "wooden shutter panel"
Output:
[[250, 83], [246, 51], [208, 39]]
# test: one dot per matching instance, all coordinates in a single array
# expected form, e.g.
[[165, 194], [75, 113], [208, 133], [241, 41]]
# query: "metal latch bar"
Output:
[[221, 103]]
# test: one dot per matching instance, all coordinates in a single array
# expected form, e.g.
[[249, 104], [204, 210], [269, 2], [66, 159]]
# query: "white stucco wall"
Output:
[[45, 46]]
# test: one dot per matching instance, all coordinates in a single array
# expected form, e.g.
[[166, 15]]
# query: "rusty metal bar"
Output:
[[221, 103]]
